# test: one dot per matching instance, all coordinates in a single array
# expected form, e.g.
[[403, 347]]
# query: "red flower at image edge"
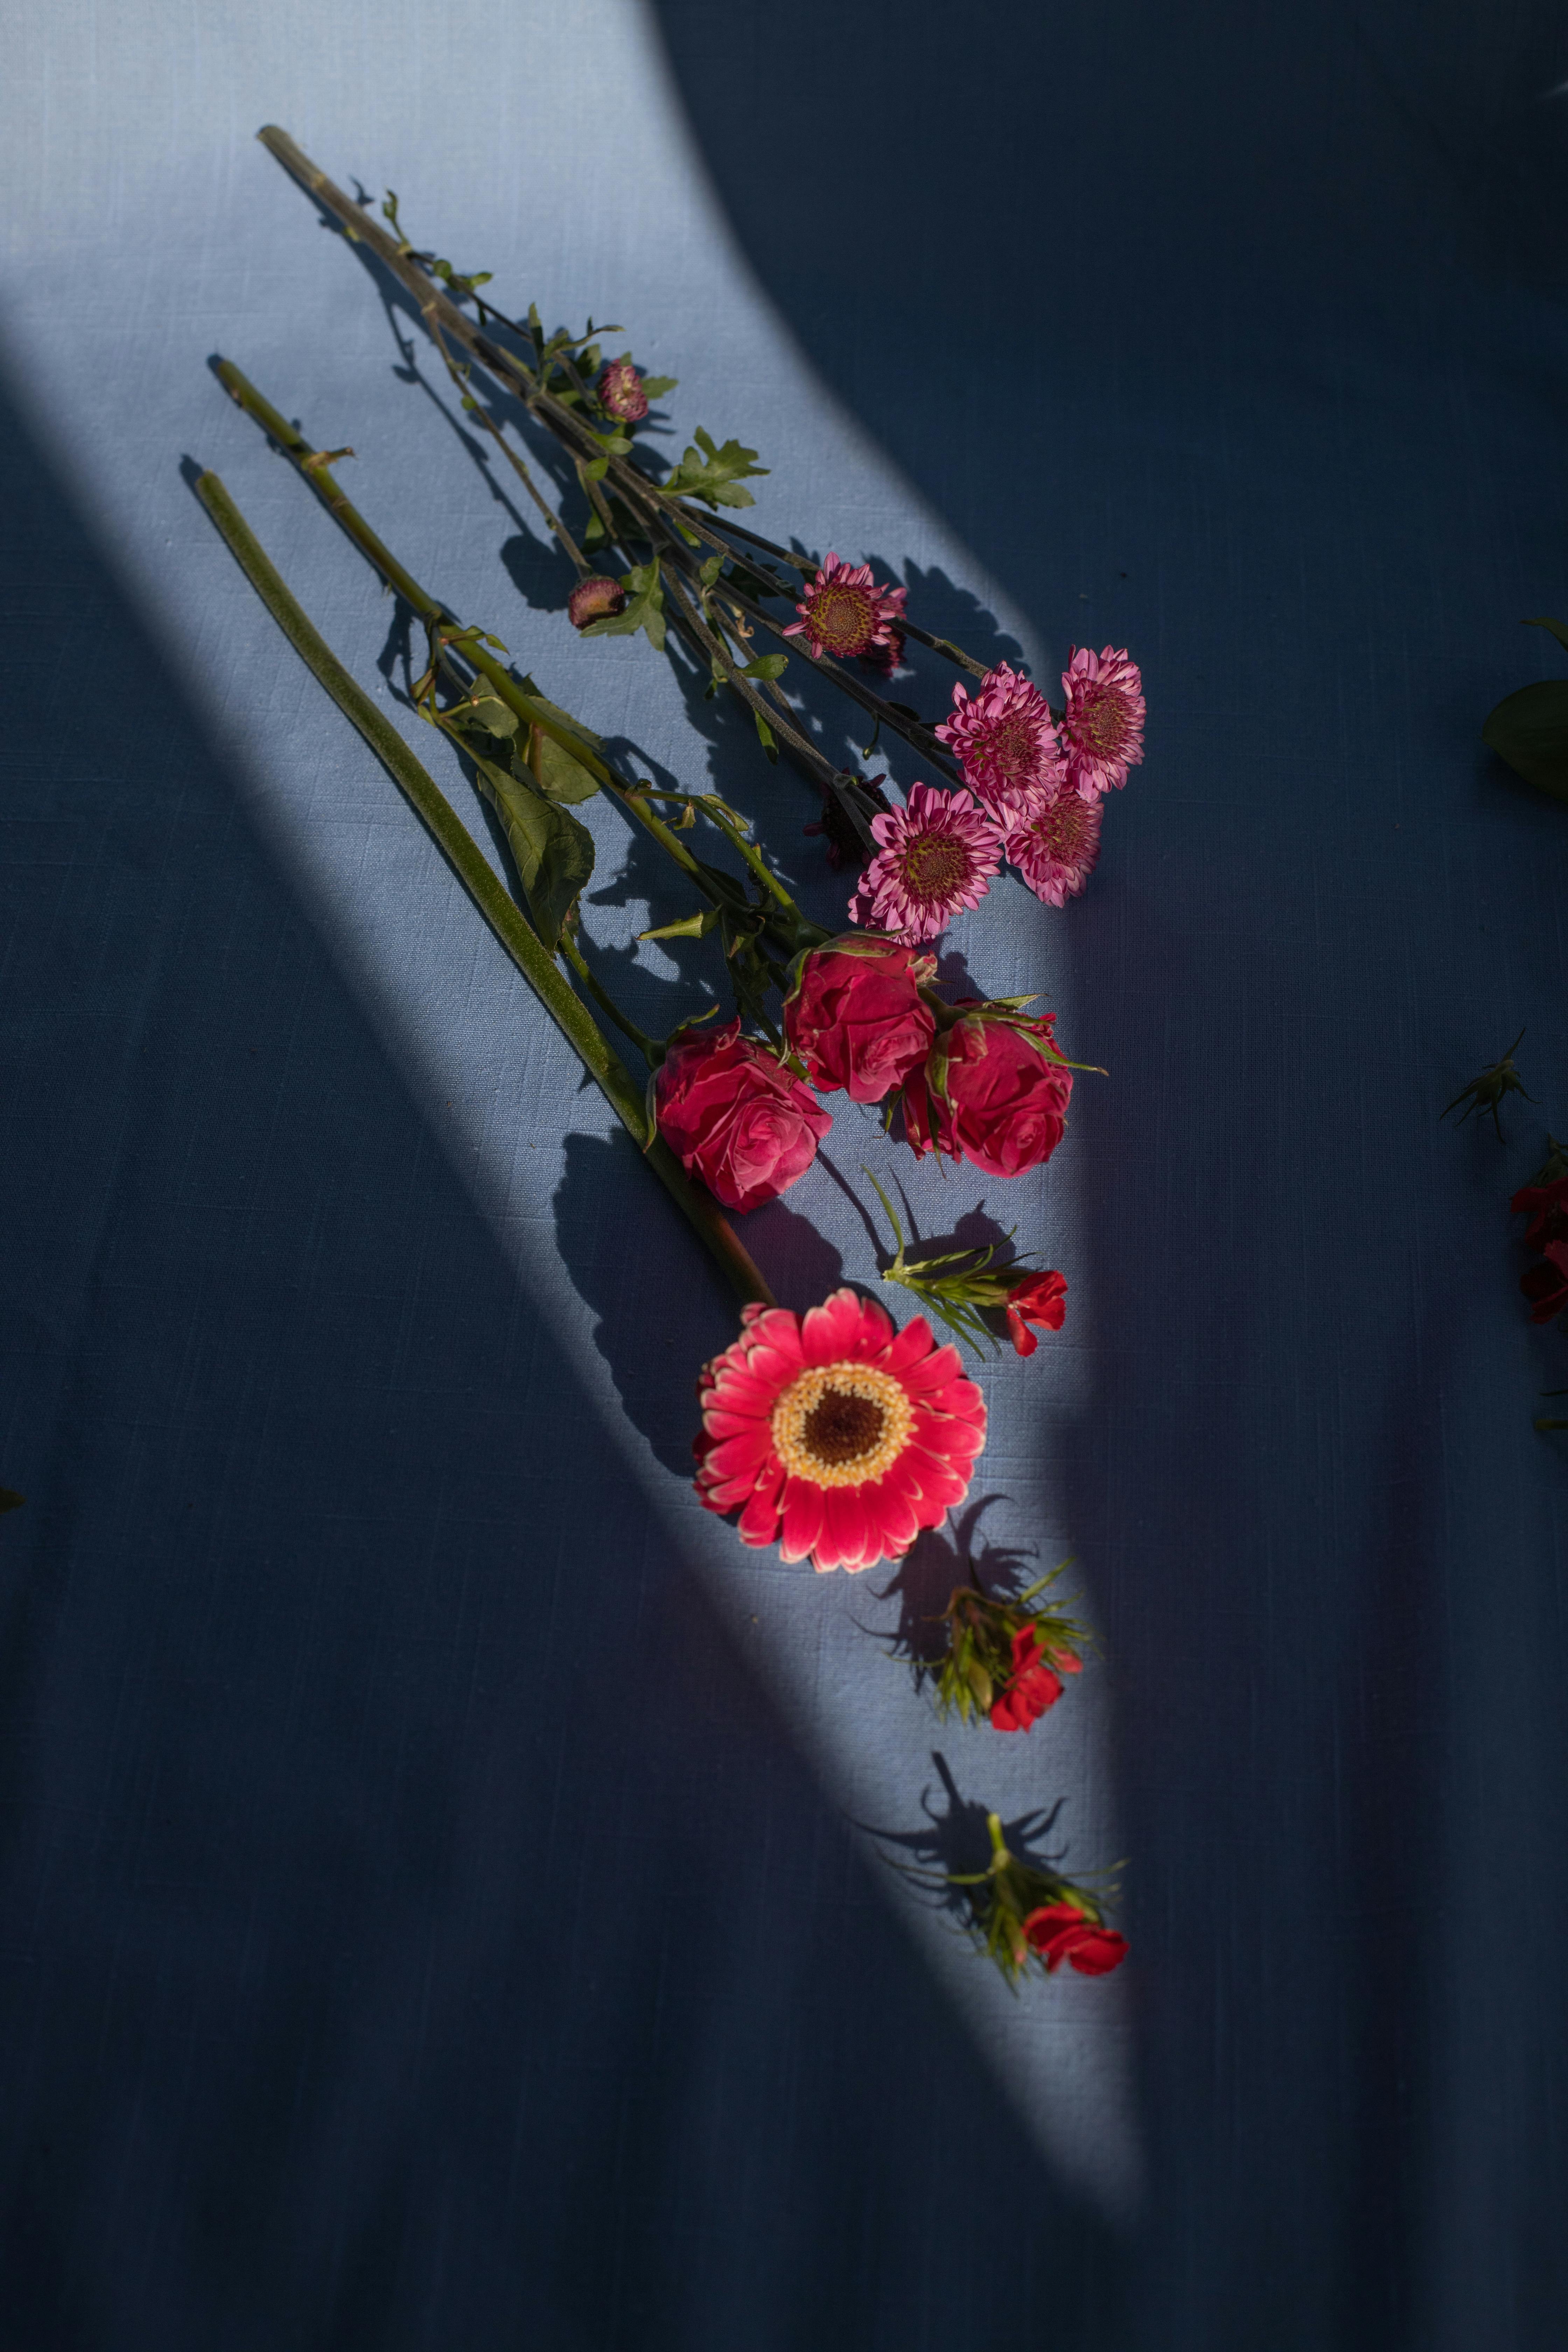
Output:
[[734, 1118], [1059, 1932], [855, 1016], [1033, 1686], [1545, 1285], [1039, 1298], [836, 1437], [990, 1093]]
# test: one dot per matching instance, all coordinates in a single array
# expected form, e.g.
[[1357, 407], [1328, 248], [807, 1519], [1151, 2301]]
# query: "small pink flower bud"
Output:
[[594, 599], [621, 393]]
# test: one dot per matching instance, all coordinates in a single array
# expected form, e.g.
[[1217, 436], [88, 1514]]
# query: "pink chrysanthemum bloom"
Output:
[[1055, 844], [1103, 730], [844, 612], [936, 855], [621, 393], [834, 1437], [1005, 739]]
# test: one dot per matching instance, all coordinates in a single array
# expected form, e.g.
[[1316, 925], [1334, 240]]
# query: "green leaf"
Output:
[[560, 776], [656, 386], [710, 570], [554, 853], [1557, 628], [695, 927], [644, 609], [713, 475], [1529, 730], [496, 717], [765, 736], [768, 666], [595, 471], [10, 1500]]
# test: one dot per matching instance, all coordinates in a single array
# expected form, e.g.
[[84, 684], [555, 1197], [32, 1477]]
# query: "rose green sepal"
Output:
[[979, 1662]]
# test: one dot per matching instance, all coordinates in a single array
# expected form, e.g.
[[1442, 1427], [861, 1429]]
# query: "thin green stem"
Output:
[[462, 852], [649, 1048]]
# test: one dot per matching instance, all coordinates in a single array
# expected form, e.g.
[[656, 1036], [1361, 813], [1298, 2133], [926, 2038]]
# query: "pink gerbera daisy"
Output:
[[1055, 844], [1005, 739], [1103, 725], [936, 855], [834, 1437], [844, 612]]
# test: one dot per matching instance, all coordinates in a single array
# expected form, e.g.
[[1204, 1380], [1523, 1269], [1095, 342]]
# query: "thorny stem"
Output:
[[463, 854]]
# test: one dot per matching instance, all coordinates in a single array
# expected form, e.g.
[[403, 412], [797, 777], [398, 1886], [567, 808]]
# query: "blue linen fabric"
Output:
[[446, 1881]]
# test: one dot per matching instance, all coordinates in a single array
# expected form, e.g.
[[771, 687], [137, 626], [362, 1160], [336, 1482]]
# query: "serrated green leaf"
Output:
[[656, 386], [1529, 730], [713, 475], [496, 717], [554, 854]]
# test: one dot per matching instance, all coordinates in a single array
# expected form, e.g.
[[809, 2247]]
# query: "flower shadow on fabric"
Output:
[[654, 1346], [938, 1562], [954, 1840]]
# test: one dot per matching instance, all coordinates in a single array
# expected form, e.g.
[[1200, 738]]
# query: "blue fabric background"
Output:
[[438, 1906]]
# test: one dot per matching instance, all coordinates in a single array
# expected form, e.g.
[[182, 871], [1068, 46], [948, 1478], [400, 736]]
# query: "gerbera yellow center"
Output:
[[842, 618], [935, 866], [841, 1424]]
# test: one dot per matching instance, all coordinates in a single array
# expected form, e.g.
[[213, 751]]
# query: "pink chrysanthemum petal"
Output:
[[1102, 729], [845, 613], [1005, 741], [936, 857], [1055, 844]]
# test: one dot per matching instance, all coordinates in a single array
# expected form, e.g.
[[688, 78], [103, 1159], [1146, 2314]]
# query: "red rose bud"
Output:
[[1032, 1687], [734, 1118], [855, 1017], [991, 1092], [594, 599], [1039, 1298], [621, 393], [1059, 1932]]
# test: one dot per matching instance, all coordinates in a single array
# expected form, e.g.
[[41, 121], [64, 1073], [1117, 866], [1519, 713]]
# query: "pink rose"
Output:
[[856, 1018], [734, 1118], [990, 1093]]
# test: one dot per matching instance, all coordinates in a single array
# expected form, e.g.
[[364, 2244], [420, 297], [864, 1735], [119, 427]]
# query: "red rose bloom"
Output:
[[1059, 1932], [1039, 1298], [1545, 1285], [856, 1018], [733, 1118], [1033, 1686], [990, 1093]]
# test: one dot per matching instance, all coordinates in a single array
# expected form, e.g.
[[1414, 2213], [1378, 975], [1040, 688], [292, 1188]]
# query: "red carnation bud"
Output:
[[1039, 1298], [594, 599], [1059, 1931]]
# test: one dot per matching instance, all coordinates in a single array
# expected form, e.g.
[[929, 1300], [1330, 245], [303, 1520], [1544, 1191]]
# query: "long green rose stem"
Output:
[[669, 521], [315, 466], [567, 1010]]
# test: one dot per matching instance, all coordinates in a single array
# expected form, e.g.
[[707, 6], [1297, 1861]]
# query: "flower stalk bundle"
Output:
[[834, 1435]]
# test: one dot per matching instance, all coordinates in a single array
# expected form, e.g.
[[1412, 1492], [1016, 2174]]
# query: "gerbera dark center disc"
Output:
[[842, 1428]]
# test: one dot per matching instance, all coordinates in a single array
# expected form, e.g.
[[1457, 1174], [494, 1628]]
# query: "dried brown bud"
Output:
[[594, 599]]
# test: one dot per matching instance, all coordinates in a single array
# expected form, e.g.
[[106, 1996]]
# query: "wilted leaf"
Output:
[[1529, 730], [554, 854]]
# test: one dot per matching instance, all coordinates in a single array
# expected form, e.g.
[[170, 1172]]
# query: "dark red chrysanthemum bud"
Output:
[[594, 599], [621, 393]]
